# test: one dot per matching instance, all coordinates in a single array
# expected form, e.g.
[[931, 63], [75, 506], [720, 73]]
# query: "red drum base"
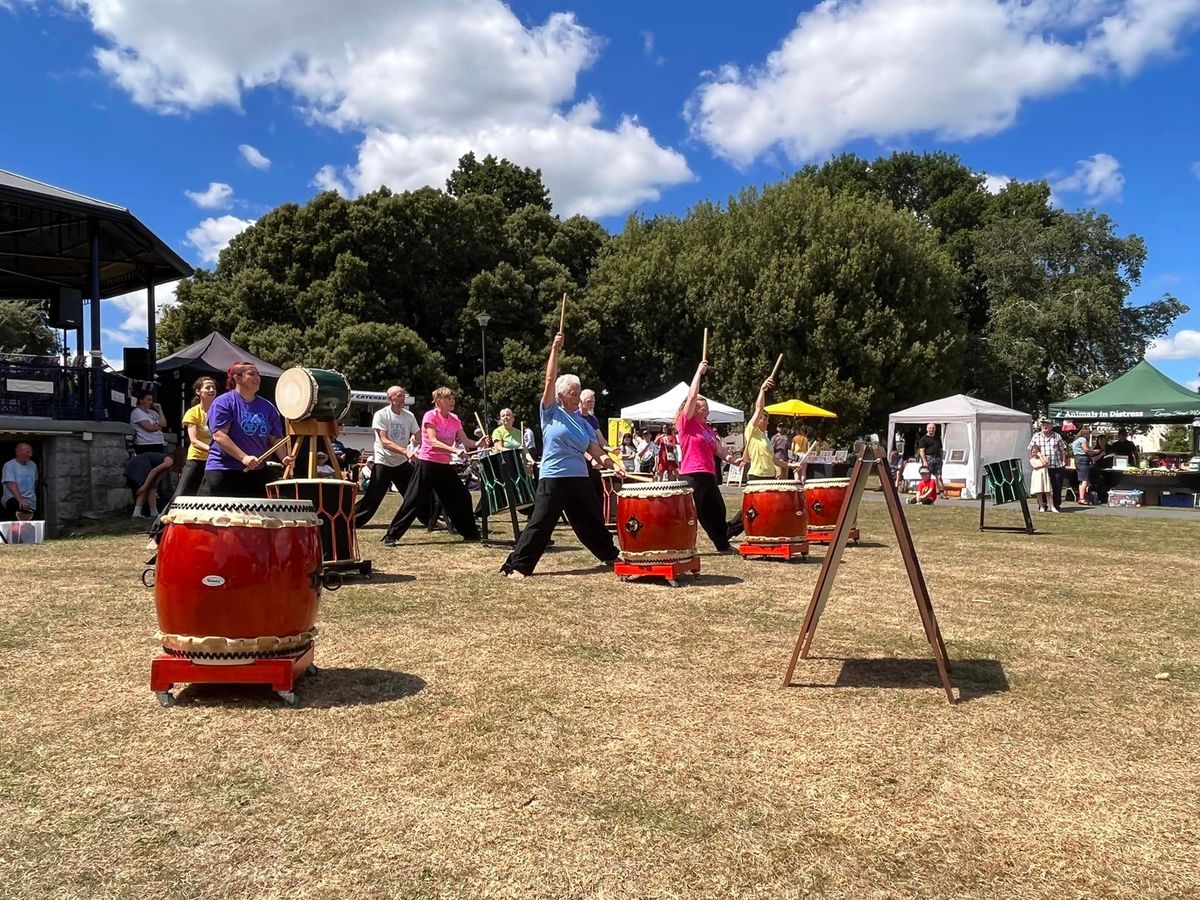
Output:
[[627, 571], [166, 671], [825, 535], [750, 549]]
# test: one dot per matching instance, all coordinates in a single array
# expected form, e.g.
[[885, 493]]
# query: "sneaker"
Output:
[[138, 514], [1055, 509], [388, 541]]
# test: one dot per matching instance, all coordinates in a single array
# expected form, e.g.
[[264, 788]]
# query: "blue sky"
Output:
[[200, 115]]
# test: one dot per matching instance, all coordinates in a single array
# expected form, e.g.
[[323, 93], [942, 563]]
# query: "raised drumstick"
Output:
[[479, 422], [776, 369], [704, 348], [562, 316]]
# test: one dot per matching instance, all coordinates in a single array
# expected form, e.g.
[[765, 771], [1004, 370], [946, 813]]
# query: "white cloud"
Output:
[[254, 157], [328, 179], [994, 184], [212, 236], [1183, 344], [414, 78], [134, 311], [1193, 385], [885, 69], [216, 196], [1098, 177]]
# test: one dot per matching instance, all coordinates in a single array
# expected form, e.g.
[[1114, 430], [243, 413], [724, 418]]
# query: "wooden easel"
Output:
[[1023, 498], [872, 460], [315, 436]]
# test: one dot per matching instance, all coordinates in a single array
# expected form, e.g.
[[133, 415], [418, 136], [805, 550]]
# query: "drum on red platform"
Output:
[[333, 499], [237, 578], [774, 511], [825, 500], [656, 522]]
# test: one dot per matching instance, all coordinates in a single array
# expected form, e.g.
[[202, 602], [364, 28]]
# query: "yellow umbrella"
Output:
[[799, 408]]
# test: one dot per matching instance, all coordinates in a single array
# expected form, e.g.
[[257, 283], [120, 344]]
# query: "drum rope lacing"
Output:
[[218, 647]]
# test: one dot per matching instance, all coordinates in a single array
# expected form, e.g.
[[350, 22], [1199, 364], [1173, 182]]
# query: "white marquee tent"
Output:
[[663, 409], [973, 432]]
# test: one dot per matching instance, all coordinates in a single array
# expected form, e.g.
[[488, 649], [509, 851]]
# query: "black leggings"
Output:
[[577, 498], [382, 478], [432, 479], [710, 507], [230, 483], [190, 479], [735, 526]]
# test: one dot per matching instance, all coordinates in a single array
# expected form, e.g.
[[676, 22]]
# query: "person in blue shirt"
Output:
[[564, 485]]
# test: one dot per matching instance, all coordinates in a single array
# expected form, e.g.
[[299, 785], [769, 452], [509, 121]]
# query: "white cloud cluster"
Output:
[[134, 312], [1184, 344], [213, 235], [254, 157], [884, 69], [216, 196], [422, 80], [1098, 177]]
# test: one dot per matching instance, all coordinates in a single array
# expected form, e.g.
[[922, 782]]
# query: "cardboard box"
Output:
[[1126, 498], [22, 532]]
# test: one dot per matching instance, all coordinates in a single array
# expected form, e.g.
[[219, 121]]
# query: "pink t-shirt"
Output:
[[699, 444], [446, 428]]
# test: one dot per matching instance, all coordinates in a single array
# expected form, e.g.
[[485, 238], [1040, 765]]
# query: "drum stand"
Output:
[[317, 437], [280, 673], [627, 571], [776, 549]]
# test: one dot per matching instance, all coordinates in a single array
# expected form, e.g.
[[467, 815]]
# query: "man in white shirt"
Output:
[[19, 478], [394, 428]]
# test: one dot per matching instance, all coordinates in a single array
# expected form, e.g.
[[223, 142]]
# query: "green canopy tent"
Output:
[[1142, 395]]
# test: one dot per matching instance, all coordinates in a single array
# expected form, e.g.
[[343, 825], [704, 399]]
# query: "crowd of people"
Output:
[[1056, 465]]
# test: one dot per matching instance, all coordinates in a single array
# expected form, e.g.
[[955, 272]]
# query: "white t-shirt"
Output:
[[400, 428], [141, 435]]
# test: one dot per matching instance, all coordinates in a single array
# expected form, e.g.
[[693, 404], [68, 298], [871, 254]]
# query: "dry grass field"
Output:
[[572, 736]]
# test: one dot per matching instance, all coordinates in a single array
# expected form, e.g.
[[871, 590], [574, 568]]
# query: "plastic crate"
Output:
[[22, 532], [1178, 499]]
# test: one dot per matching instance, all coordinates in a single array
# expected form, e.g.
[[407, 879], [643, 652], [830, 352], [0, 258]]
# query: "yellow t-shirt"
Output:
[[508, 438], [198, 417], [762, 464], [799, 445]]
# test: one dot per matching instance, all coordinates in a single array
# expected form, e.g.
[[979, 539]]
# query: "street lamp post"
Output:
[[483, 319]]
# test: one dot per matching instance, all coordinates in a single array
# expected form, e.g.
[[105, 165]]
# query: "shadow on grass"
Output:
[[597, 569], [974, 678], [378, 578], [328, 688]]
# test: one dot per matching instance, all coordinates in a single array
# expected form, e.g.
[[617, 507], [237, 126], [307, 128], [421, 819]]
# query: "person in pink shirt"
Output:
[[434, 475], [701, 448]]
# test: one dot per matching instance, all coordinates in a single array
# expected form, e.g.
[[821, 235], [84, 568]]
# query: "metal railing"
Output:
[[63, 392]]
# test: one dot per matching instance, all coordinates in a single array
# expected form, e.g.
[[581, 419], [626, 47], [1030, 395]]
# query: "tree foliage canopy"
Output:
[[24, 329]]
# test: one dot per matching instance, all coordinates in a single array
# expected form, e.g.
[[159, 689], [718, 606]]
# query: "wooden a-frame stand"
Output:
[[317, 437], [872, 461]]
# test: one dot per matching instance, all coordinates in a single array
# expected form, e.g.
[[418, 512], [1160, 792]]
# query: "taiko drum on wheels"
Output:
[[656, 530], [775, 519], [825, 498]]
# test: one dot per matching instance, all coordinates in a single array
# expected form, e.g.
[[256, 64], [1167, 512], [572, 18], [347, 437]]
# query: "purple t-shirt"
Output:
[[249, 425]]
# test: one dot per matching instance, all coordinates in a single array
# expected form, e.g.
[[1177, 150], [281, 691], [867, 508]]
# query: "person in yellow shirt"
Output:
[[204, 389], [757, 455], [799, 443], [506, 436]]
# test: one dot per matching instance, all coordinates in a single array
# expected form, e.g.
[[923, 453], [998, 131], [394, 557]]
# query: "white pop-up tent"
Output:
[[663, 409], [974, 432]]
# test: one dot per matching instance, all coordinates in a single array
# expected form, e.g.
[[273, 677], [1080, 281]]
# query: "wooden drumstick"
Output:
[[482, 431], [562, 316], [704, 347], [278, 444], [775, 370]]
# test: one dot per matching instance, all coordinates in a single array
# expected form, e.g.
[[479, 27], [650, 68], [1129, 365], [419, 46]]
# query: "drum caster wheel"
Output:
[[673, 582], [165, 698], [288, 697], [311, 670], [624, 578]]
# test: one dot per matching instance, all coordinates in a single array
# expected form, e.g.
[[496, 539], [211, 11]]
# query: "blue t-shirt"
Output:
[[565, 438], [24, 477], [249, 425]]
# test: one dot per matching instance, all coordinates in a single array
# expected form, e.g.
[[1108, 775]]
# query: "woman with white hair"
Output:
[[564, 486]]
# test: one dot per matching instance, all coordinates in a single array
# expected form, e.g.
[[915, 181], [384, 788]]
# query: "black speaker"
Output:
[[66, 308], [137, 363]]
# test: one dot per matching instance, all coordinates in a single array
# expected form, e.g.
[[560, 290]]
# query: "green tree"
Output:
[[1176, 439], [24, 329], [513, 185]]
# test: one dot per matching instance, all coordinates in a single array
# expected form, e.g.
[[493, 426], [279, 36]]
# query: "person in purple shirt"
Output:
[[244, 426]]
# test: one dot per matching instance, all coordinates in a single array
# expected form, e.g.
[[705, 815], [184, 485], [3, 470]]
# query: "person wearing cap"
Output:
[[1053, 449], [927, 489]]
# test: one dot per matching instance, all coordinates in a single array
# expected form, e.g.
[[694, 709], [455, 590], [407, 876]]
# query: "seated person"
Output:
[[324, 469], [142, 474], [926, 489], [19, 479]]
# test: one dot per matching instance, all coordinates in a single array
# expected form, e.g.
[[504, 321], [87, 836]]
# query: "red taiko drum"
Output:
[[773, 512], [656, 522], [825, 500], [237, 578]]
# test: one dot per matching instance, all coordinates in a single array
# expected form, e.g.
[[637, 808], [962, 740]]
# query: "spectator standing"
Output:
[[20, 477], [779, 451], [1123, 446], [1081, 450], [1052, 449], [148, 424], [1039, 481], [929, 451]]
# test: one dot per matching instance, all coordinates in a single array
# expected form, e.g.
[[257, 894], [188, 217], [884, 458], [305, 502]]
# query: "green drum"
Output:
[[312, 394]]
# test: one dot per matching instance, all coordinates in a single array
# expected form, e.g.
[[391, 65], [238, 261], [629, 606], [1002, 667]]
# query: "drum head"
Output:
[[296, 393]]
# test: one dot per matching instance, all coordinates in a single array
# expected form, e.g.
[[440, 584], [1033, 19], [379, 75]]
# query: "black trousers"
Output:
[[229, 483], [735, 526], [1058, 475], [190, 479], [710, 507], [439, 480], [139, 449], [577, 498], [382, 478]]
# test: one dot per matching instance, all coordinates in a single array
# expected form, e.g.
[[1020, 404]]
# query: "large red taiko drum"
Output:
[[656, 522], [237, 578], [826, 497], [773, 512]]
